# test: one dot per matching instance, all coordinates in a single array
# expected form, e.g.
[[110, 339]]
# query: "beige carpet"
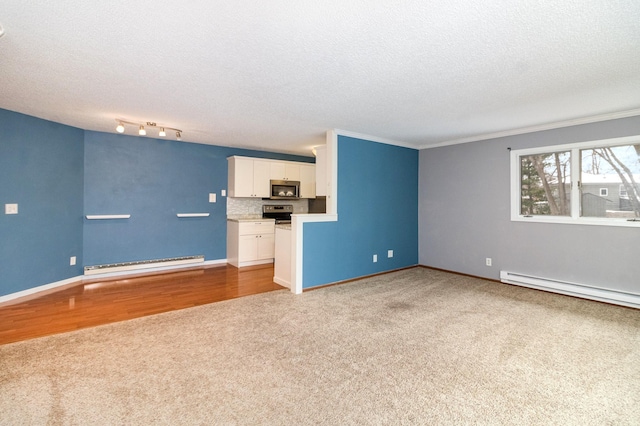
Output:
[[412, 347]]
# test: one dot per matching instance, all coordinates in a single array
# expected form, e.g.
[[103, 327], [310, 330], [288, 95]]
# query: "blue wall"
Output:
[[58, 174], [153, 179], [377, 211], [41, 169]]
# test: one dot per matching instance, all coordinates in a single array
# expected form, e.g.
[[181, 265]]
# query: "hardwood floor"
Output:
[[101, 302]]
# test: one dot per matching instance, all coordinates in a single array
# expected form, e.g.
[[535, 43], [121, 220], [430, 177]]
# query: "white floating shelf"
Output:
[[193, 214], [107, 216]]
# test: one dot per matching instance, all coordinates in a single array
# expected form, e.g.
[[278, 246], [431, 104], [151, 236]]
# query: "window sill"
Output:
[[578, 221]]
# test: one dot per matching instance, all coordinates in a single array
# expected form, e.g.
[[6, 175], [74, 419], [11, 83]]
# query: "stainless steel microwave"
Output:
[[285, 189]]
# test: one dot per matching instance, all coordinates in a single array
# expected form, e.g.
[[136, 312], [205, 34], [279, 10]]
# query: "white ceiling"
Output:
[[275, 75]]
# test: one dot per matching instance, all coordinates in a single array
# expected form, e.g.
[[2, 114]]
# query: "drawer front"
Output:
[[258, 227]]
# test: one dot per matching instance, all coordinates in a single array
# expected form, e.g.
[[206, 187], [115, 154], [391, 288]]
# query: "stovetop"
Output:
[[280, 212]]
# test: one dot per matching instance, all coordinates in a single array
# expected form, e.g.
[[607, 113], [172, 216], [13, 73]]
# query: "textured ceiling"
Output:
[[275, 75]]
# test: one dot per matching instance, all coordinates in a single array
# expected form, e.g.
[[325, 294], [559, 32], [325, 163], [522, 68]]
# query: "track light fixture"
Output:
[[120, 128]]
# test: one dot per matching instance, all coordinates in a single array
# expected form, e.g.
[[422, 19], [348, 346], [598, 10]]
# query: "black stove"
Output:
[[280, 212]]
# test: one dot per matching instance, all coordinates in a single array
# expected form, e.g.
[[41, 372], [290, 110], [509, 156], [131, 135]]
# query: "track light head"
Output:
[[162, 132], [120, 127], [142, 131], [178, 135]]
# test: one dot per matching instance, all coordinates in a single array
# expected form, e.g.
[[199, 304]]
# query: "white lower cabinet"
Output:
[[255, 247], [250, 242]]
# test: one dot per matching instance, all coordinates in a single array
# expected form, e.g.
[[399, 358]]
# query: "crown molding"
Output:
[[538, 128], [373, 138]]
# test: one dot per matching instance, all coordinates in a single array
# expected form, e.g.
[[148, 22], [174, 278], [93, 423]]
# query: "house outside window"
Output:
[[623, 191]]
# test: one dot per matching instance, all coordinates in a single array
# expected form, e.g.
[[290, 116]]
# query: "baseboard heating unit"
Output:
[[142, 264], [572, 289]]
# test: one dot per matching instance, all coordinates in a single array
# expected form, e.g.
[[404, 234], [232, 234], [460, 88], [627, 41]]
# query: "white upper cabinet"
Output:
[[281, 170], [261, 183], [248, 177], [251, 177], [307, 181]]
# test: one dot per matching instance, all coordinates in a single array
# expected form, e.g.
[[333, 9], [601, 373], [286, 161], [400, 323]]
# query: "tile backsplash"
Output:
[[253, 206]]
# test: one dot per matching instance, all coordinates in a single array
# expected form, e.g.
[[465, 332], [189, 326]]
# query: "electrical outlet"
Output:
[[212, 197], [390, 253], [72, 261], [375, 258], [223, 193], [10, 209], [487, 261]]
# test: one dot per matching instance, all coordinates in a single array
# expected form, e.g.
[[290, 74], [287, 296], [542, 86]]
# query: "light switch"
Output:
[[10, 209], [223, 192], [212, 197]]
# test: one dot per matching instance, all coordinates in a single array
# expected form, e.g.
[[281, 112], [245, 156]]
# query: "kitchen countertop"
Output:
[[247, 218], [286, 226]]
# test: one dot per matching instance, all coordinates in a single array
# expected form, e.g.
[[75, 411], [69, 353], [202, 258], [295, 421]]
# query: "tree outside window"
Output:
[[545, 184]]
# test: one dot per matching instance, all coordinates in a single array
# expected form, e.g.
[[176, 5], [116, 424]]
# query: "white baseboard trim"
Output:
[[34, 292], [600, 294], [282, 282], [253, 263], [39, 291]]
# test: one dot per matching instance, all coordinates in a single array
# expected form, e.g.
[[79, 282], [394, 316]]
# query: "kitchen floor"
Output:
[[89, 304]]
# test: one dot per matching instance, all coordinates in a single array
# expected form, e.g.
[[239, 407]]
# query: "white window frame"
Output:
[[575, 217], [604, 192]]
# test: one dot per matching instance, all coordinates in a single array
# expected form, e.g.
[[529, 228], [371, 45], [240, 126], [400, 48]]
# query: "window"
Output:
[[594, 183]]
